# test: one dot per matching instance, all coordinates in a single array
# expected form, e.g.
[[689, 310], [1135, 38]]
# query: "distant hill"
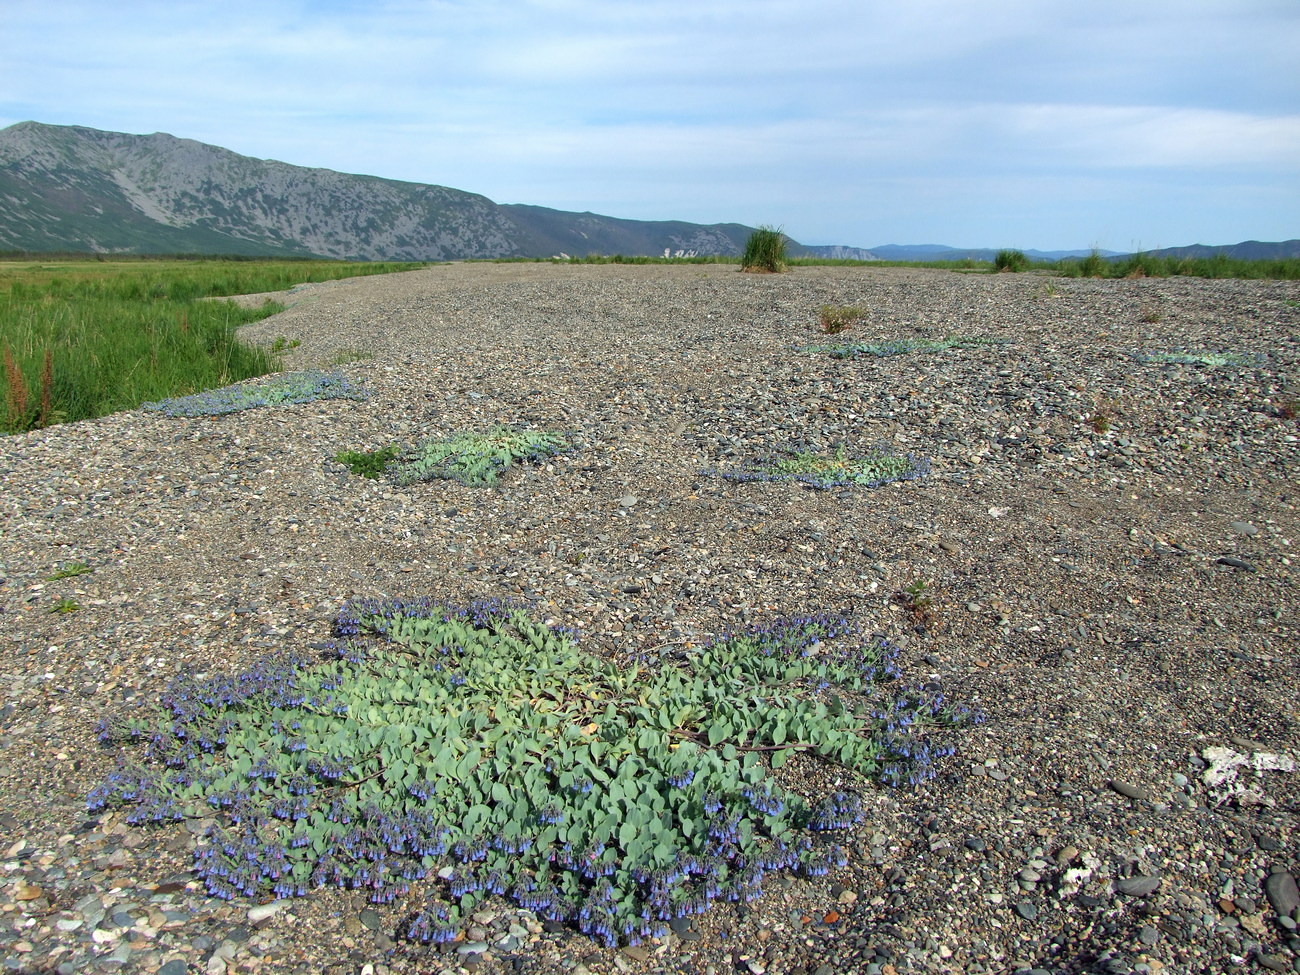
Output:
[[1247, 250], [69, 188], [940, 252]]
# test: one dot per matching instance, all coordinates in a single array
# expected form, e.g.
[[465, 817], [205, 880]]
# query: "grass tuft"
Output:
[[765, 251], [1011, 261]]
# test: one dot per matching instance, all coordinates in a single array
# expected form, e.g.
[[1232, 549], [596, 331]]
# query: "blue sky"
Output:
[[1120, 124]]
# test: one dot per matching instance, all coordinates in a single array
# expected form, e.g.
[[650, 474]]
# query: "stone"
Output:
[[1128, 789], [1282, 893], [1027, 910], [1137, 886], [263, 913]]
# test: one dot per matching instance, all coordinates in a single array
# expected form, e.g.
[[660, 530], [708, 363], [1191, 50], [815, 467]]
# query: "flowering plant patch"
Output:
[[291, 387], [476, 459], [1212, 359], [459, 753], [892, 347], [823, 471]]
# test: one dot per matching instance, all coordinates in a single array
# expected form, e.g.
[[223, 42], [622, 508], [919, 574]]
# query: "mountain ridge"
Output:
[[79, 189]]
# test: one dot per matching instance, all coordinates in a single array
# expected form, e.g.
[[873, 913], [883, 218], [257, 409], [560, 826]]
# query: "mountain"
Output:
[[69, 188], [1247, 250], [940, 252]]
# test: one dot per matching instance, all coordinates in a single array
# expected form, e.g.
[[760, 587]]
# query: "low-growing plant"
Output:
[[916, 601], [834, 319], [282, 344], [70, 571], [1104, 413], [1094, 266], [1012, 261], [872, 469], [765, 251], [451, 754], [343, 355], [1213, 359], [288, 388], [65, 605], [892, 347], [475, 459], [367, 463]]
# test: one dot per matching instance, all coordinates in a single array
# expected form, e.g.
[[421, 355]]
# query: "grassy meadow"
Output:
[[82, 337]]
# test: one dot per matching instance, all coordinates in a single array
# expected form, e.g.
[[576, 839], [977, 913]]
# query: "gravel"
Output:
[[1106, 545]]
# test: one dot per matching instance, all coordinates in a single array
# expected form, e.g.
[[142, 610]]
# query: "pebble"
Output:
[[1140, 886], [1282, 893], [1128, 789], [1093, 601]]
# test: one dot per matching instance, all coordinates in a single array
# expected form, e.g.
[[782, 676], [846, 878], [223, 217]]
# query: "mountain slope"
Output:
[[81, 189]]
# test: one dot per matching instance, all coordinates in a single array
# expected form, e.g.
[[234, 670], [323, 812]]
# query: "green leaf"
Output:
[[779, 757]]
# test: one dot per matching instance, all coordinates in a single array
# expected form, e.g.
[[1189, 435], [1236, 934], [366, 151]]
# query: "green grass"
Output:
[[367, 463], [765, 251], [1137, 265], [82, 339], [70, 571], [1010, 260]]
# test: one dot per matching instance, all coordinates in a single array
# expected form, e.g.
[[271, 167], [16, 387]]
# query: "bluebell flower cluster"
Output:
[[307, 775], [839, 810], [289, 388]]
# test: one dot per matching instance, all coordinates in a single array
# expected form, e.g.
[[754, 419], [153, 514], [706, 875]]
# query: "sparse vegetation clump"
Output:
[[874, 468], [765, 251], [1211, 359], [292, 387], [474, 459], [834, 319], [452, 754], [892, 347]]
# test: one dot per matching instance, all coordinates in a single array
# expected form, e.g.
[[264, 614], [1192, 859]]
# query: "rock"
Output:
[[1027, 910], [262, 913], [1236, 563], [1282, 893], [1244, 528], [1127, 789], [1137, 886]]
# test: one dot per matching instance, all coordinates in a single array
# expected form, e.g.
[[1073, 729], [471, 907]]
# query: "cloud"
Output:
[[708, 110]]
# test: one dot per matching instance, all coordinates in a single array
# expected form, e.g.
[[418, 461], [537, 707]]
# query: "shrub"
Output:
[[765, 251], [470, 752], [1011, 261]]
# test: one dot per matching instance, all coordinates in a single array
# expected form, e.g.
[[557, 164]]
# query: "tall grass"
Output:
[[83, 339], [765, 250]]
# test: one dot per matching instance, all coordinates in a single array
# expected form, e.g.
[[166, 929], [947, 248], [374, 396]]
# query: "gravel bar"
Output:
[[1106, 544]]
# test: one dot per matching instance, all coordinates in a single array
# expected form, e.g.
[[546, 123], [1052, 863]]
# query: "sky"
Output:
[[1118, 124]]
